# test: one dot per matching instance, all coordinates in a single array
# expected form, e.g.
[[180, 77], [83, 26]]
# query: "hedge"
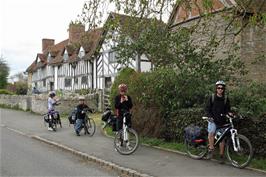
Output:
[[6, 92], [165, 103]]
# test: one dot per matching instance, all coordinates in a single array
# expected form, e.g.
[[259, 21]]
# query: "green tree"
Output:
[[4, 72], [20, 85]]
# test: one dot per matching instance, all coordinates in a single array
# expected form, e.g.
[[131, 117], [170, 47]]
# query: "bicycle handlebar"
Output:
[[88, 110], [227, 116]]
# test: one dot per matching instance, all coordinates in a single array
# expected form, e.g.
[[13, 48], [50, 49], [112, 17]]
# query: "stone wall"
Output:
[[251, 40], [38, 103], [16, 101], [253, 52]]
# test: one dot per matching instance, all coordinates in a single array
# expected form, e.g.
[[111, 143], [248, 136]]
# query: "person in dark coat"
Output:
[[123, 104], [81, 114], [217, 107]]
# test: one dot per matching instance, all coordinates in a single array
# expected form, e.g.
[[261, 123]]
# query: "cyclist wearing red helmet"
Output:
[[123, 103]]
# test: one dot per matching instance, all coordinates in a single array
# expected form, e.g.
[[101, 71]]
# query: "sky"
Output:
[[24, 23]]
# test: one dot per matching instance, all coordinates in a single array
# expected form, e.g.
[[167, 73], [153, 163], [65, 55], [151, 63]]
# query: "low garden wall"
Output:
[[38, 103]]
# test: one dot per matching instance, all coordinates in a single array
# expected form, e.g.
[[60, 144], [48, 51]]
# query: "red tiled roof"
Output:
[[32, 67], [91, 42], [57, 49]]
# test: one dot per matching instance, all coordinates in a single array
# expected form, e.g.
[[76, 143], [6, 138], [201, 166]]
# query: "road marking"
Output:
[[16, 131]]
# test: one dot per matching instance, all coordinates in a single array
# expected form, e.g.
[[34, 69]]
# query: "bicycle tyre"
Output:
[[124, 145], [202, 149], [59, 120], [232, 159], [90, 127], [54, 124]]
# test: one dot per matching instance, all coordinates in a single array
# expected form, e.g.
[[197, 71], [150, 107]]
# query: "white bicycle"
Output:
[[126, 140]]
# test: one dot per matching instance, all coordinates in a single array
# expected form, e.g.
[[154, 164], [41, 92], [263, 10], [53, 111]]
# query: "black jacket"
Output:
[[217, 109], [122, 107], [80, 108]]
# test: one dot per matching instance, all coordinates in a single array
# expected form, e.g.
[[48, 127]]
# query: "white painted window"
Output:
[[68, 82], [112, 57], [49, 58], [76, 81], [81, 52], [84, 80], [44, 82], [65, 55]]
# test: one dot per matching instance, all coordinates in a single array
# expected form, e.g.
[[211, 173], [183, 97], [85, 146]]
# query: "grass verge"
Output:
[[257, 163]]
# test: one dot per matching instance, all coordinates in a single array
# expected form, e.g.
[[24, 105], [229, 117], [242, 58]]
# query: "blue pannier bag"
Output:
[[193, 133]]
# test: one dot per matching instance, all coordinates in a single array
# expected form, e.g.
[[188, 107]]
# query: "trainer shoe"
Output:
[[210, 154], [50, 129]]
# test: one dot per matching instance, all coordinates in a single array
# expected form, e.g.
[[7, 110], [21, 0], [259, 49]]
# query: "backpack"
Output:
[[213, 96], [72, 116]]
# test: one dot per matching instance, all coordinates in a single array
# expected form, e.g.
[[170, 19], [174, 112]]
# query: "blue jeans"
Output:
[[78, 125]]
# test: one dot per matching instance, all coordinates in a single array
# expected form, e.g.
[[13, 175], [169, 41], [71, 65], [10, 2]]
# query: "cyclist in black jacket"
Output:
[[80, 115], [123, 103], [217, 107]]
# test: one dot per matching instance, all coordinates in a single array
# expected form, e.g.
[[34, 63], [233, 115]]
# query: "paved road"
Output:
[[22, 156], [146, 160]]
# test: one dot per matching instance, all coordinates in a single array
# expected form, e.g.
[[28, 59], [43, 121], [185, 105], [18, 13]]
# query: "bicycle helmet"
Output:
[[81, 98], [52, 94], [220, 83], [122, 87]]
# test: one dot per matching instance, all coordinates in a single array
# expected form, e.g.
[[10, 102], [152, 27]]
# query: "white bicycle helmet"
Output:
[[81, 98], [220, 83]]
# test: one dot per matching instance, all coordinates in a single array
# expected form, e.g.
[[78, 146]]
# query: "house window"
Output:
[[81, 52], [68, 82], [108, 82], [65, 55], [84, 80], [49, 57], [76, 80], [44, 82], [112, 57]]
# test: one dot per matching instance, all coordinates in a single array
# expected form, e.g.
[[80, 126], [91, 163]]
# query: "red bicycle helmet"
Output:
[[122, 87]]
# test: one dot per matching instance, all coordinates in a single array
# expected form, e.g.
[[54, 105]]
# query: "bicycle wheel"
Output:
[[243, 156], [196, 151], [126, 147], [59, 120], [54, 125], [90, 127]]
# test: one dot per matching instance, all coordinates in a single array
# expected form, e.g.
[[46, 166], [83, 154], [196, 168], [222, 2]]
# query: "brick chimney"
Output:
[[75, 32], [46, 43]]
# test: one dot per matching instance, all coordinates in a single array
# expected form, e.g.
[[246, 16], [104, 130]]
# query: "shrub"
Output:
[[165, 103], [125, 76], [21, 88], [6, 92], [250, 99]]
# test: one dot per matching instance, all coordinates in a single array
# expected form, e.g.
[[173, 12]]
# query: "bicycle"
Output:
[[126, 140], [88, 125], [238, 148], [53, 117]]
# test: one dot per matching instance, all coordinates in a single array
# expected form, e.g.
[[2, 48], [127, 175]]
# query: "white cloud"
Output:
[[25, 22]]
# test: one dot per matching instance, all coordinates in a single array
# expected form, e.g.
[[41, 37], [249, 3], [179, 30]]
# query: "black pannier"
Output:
[[72, 116]]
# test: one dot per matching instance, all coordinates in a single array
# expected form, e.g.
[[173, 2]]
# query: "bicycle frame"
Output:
[[233, 132], [125, 135]]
